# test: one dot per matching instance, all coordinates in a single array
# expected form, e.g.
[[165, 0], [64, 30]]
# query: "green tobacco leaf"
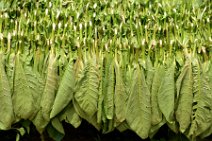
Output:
[[34, 77], [208, 70], [184, 88], [70, 116], [39, 122], [62, 61], [109, 90], [24, 105], [209, 73], [120, 97], [110, 126], [207, 132], [50, 88], [129, 79], [202, 106], [39, 60], [123, 126], [180, 58], [35, 84], [56, 123], [154, 129], [10, 67], [101, 97], [54, 133], [6, 107], [87, 93], [173, 126], [150, 73], [180, 79], [156, 113], [65, 91], [90, 119], [166, 94], [138, 114]]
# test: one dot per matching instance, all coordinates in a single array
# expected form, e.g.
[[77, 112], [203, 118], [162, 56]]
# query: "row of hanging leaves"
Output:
[[109, 90]]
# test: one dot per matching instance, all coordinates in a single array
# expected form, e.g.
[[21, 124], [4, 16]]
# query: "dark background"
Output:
[[87, 132]]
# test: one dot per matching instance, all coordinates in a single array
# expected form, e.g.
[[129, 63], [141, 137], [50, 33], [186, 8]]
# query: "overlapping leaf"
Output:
[[87, 94], [22, 97], [70, 116], [150, 73], [6, 106], [184, 89], [139, 109], [65, 91], [166, 94], [101, 96], [157, 80], [120, 97], [90, 119], [109, 87], [50, 87], [202, 106]]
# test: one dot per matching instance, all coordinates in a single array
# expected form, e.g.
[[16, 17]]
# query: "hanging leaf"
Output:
[[180, 79], [87, 93], [6, 107], [22, 97], [101, 97], [54, 133], [70, 116], [120, 97], [157, 80], [109, 84], [129, 79], [39, 122], [50, 88], [202, 106], [56, 123], [123, 126], [138, 114], [90, 119], [10, 67], [166, 94], [39, 60], [184, 88], [35, 84], [208, 70], [207, 132], [150, 73], [154, 129], [179, 58], [65, 91]]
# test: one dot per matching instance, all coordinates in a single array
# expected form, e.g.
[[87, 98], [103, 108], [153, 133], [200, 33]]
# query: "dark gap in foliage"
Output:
[[86, 132], [8, 135]]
